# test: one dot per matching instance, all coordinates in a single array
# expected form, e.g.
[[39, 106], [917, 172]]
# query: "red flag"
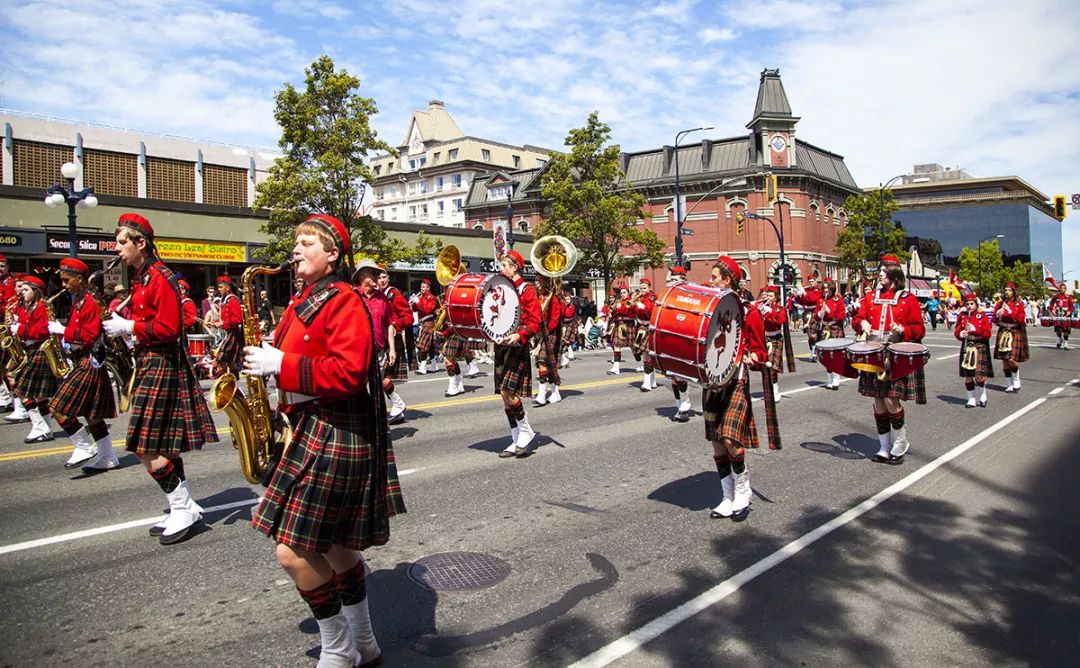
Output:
[[1048, 277]]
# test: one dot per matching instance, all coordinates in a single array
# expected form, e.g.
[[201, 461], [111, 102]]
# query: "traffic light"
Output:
[[1059, 207], [740, 223], [770, 188]]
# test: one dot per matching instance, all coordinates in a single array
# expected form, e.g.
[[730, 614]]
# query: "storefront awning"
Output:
[[921, 287]]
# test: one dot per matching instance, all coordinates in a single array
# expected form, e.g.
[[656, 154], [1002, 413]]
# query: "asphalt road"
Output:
[[964, 555]]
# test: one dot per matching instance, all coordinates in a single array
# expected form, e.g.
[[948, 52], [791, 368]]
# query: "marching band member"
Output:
[[621, 317], [1062, 305], [18, 413], [680, 388], [513, 370], [401, 318], [810, 300], [189, 311], [383, 336], [86, 392], [1010, 317], [643, 308], [570, 329], [773, 318], [453, 349], [973, 329], [895, 315], [35, 384], [7, 298], [336, 486], [729, 418], [547, 358], [169, 415], [831, 315], [232, 322], [426, 305]]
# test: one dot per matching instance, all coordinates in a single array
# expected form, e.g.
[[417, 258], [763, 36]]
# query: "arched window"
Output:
[[841, 218], [523, 225], [829, 213], [478, 226], [816, 209]]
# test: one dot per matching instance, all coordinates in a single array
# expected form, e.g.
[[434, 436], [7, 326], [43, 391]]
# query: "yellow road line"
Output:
[[42, 452]]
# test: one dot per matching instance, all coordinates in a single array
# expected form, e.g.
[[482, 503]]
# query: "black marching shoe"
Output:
[[40, 438], [397, 419], [681, 417]]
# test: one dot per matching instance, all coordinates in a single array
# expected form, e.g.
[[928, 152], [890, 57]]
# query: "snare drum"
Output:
[[905, 358], [694, 334], [1053, 321], [831, 355], [480, 307], [198, 344], [867, 356]]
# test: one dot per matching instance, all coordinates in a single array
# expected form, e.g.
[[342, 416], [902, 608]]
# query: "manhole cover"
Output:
[[459, 571]]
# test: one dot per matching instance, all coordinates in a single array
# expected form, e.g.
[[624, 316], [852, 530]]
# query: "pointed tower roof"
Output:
[[772, 102], [434, 124]]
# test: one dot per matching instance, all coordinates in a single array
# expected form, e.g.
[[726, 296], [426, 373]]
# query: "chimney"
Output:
[[624, 162], [706, 154], [436, 103], [669, 155]]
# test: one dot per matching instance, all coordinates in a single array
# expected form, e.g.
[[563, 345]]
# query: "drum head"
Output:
[[722, 340], [834, 344], [907, 348], [866, 347], [500, 310]]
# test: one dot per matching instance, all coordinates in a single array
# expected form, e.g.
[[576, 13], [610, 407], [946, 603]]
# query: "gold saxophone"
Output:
[[260, 434], [12, 344], [53, 347]]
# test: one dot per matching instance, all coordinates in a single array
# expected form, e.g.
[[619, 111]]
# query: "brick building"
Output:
[[719, 178]]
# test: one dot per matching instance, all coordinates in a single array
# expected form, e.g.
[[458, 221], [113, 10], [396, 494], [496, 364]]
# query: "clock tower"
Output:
[[772, 130]]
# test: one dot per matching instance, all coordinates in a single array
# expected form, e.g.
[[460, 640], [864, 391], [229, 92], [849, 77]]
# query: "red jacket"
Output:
[[231, 314], [643, 308], [906, 312], [978, 319], [835, 308], [190, 312], [554, 315], [155, 305], [753, 337], [33, 325], [810, 299], [7, 291], [530, 310], [402, 316], [1062, 304], [84, 326], [1011, 313], [773, 318], [328, 356], [381, 315], [623, 311], [426, 306], [569, 311]]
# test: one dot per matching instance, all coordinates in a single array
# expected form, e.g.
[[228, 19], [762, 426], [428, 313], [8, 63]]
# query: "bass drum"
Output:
[[482, 307], [694, 334]]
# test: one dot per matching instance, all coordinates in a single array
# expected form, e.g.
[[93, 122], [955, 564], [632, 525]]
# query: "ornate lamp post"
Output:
[[57, 194], [881, 199], [678, 200]]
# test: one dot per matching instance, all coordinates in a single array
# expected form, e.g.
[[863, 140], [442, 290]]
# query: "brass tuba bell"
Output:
[[554, 256], [448, 267]]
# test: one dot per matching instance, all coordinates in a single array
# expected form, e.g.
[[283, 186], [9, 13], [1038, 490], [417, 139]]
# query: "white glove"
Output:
[[264, 361], [963, 335], [866, 326], [117, 326], [55, 327], [14, 329]]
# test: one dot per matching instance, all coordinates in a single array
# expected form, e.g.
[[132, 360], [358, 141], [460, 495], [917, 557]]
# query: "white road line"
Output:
[[86, 533], [635, 639], [1057, 390]]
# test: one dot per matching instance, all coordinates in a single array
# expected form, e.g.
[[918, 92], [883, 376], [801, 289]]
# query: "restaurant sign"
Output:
[[204, 251]]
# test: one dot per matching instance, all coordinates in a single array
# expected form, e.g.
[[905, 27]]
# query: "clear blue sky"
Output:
[[991, 86]]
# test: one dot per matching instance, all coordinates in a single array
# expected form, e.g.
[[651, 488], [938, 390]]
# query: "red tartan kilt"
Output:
[[1020, 352], [776, 353], [399, 370], [813, 329], [326, 490], [1063, 329], [231, 353], [35, 381], [622, 336], [453, 347], [835, 331], [908, 388], [728, 414], [985, 366], [168, 411], [86, 392], [476, 346], [513, 370], [425, 340], [549, 356]]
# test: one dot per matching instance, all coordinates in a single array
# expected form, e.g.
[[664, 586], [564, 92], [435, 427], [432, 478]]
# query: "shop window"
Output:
[[112, 173], [226, 186], [170, 180], [37, 164]]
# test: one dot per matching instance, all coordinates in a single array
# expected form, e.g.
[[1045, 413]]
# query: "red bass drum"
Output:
[[694, 334], [482, 307]]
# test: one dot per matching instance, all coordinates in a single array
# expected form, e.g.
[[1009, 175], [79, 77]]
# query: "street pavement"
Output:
[[964, 555]]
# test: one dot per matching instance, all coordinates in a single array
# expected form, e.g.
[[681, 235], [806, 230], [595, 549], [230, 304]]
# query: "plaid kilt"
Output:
[[813, 330], [728, 414], [425, 340], [168, 410], [907, 388], [622, 335], [332, 486], [549, 356], [570, 332], [231, 353], [985, 366], [1020, 352], [476, 346], [86, 392], [513, 370], [35, 381], [641, 338], [399, 371], [1063, 329], [836, 331], [775, 345], [453, 347]]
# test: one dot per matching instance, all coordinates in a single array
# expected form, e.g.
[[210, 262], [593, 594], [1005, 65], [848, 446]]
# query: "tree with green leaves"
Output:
[[326, 137], [858, 245], [983, 266], [591, 206]]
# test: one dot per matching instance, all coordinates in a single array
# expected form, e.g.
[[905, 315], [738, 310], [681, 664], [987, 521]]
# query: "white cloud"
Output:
[[710, 35]]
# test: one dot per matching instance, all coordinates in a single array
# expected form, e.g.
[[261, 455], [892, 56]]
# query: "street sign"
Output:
[[687, 232], [1076, 201]]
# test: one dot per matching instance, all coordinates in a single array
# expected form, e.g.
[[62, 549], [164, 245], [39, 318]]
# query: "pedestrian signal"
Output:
[[1059, 207], [770, 188]]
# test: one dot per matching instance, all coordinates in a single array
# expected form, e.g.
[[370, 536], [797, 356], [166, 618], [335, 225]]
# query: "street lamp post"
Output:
[[979, 251], [57, 194], [881, 199], [780, 239], [678, 200]]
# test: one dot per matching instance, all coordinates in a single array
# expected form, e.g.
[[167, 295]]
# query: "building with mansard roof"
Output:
[[719, 179], [428, 181]]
